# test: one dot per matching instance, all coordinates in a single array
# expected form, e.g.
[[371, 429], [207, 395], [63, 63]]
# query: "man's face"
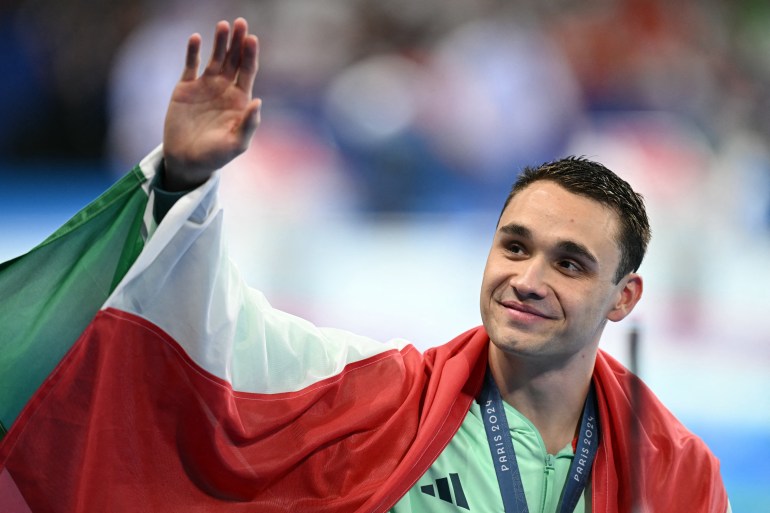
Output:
[[548, 288]]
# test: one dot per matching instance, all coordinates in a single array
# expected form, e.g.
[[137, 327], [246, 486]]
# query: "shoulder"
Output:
[[627, 400], [639, 434], [469, 346]]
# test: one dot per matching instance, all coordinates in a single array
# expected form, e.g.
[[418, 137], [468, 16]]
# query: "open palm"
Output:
[[212, 117]]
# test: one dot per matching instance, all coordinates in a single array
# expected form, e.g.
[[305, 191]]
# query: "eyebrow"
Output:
[[516, 229], [567, 246], [577, 249]]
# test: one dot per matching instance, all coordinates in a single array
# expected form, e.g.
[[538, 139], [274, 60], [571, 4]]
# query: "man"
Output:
[[188, 392]]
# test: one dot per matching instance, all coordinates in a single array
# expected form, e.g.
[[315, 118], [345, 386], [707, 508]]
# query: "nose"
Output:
[[528, 279]]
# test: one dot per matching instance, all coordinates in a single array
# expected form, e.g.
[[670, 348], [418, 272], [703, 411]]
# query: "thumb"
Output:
[[250, 121]]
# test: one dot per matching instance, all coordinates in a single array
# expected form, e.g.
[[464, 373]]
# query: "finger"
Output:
[[249, 64], [233, 58], [219, 50], [192, 58]]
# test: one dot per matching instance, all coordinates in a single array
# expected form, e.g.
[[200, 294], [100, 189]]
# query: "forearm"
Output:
[[164, 199]]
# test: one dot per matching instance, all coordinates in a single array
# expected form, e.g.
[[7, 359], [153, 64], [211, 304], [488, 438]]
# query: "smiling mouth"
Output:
[[522, 308]]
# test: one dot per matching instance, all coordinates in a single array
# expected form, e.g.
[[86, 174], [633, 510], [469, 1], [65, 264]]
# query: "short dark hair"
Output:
[[587, 178]]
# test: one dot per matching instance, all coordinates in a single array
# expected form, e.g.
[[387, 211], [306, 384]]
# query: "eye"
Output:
[[570, 266], [514, 248]]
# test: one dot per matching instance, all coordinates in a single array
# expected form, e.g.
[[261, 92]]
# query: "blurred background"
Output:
[[391, 133]]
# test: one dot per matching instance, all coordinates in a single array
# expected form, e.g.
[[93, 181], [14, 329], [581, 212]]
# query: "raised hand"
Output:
[[212, 117]]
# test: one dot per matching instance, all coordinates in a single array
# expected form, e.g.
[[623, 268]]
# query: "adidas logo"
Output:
[[445, 492]]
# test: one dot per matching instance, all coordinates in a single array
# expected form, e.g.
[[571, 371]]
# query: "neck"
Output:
[[551, 397]]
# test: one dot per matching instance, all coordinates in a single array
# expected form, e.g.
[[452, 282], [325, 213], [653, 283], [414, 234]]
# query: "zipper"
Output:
[[548, 471]]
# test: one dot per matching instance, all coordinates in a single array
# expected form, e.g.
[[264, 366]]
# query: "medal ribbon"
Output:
[[504, 457]]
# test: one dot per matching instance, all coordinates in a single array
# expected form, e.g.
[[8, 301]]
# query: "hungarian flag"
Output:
[[139, 373], [49, 295], [136, 375]]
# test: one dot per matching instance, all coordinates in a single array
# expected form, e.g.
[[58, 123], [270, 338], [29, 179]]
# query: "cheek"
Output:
[[489, 284], [492, 278], [587, 306]]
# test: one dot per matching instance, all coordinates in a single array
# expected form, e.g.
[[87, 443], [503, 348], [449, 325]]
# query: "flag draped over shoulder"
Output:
[[49, 295], [142, 374], [187, 392]]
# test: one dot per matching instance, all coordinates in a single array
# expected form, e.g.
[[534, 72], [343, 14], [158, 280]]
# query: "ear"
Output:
[[629, 293]]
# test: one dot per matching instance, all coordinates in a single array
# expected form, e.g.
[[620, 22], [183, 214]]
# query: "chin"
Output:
[[517, 345]]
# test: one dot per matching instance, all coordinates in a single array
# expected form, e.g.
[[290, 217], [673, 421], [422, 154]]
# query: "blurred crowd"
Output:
[[416, 106]]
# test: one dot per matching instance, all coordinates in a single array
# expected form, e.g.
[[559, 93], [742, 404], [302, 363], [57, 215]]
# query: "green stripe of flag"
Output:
[[50, 294]]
